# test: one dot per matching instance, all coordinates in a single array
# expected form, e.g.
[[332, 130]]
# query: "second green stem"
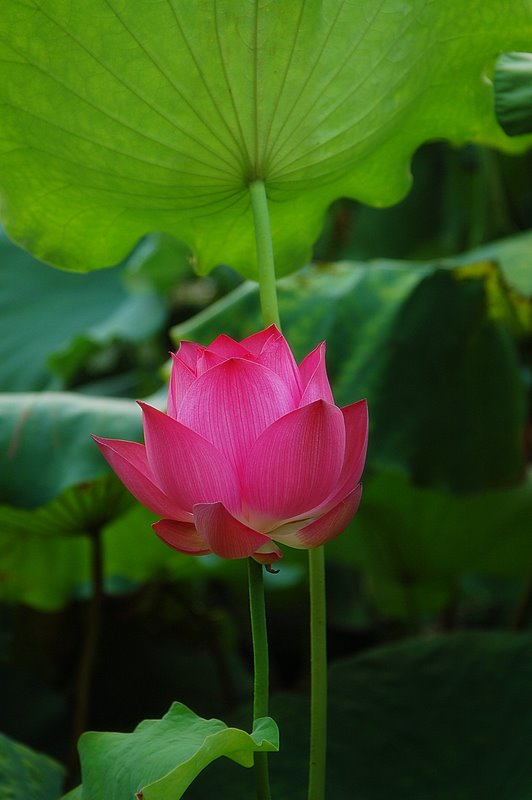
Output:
[[259, 636], [318, 674]]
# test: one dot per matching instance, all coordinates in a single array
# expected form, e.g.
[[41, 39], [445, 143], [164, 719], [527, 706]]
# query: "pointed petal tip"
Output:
[[181, 536], [225, 534]]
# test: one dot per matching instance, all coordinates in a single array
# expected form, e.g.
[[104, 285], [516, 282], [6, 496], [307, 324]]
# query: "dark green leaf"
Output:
[[50, 321], [45, 442], [27, 775], [413, 545], [440, 718], [513, 92]]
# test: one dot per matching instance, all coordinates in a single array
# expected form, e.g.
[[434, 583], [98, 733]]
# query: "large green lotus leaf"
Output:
[[27, 775], [129, 116], [423, 344], [413, 544], [161, 758], [441, 717], [46, 315]]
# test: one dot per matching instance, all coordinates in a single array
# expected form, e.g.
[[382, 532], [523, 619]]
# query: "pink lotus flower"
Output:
[[252, 451]]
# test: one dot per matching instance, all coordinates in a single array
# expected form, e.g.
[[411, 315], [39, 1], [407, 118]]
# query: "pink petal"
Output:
[[226, 347], [356, 445], [188, 468], [189, 352], [207, 361], [277, 356], [326, 527], [181, 378], [226, 536], [232, 404], [255, 343], [295, 464], [267, 554], [181, 536], [314, 377], [129, 461]]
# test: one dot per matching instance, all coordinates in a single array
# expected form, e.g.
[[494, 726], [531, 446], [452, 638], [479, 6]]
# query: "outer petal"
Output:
[[181, 378], [187, 467], [182, 536], [295, 464], [232, 404], [129, 461], [207, 361], [189, 352], [277, 356], [326, 527], [356, 445], [255, 343], [227, 536], [268, 553], [314, 377], [226, 347]]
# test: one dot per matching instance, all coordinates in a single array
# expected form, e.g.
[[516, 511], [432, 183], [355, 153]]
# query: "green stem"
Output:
[[270, 315], [265, 262], [259, 637], [318, 674]]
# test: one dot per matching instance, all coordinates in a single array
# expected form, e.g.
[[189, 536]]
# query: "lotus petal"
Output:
[[256, 342], [181, 378], [186, 466], [189, 352], [232, 404], [181, 536], [356, 444], [295, 464], [129, 461], [226, 347], [277, 356], [326, 527], [226, 536], [314, 377]]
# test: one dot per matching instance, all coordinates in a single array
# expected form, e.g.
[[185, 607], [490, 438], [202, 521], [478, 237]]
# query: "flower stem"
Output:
[[265, 262], [318, 674], [259, 636], [270, 315]]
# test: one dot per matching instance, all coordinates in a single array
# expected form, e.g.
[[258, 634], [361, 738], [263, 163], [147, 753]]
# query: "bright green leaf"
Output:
[[123, 117], [162, 757], [25, 774]]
